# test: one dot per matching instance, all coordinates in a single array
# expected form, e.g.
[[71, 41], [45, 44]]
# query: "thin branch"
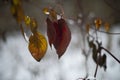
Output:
[[96, 70], [110, 33], [111, 6], [111, 54]]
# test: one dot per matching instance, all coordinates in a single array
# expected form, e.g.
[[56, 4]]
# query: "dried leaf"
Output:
[[37, 46], [94, 53], [51, 33], [63, 37], [98, 23], [97, 57], [107, 26], [102, 61]]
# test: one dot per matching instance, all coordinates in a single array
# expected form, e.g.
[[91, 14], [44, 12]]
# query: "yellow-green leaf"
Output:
[[37, 46]]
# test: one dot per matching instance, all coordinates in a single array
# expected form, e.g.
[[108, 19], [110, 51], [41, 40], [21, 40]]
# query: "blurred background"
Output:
[[16, 62]]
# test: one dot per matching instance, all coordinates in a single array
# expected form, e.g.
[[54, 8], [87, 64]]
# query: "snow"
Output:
[[16, 63]]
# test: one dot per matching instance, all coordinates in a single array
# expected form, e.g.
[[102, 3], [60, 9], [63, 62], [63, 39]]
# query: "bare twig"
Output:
[[96, 71], [110, 33], [111, 54], [107, 2]]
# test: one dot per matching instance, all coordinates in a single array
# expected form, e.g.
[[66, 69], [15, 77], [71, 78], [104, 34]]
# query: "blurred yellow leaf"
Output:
[[37, 46], [16, 2], [27, 20], [46, 11], [107, 26], [98, 23], [17, 10], [50, 12]]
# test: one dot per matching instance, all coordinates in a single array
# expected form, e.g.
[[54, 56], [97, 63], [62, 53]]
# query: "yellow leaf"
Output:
[[98, 23], [37, 46], [107, 26]]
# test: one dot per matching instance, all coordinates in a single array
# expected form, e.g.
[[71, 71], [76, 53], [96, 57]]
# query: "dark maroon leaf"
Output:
[[63, 37], [51, 33]]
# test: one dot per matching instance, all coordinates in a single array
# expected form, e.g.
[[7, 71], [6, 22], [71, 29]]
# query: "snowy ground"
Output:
[[16, 63]]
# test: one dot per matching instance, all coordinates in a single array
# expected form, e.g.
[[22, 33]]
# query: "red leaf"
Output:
[[51, 33], [63, 37]]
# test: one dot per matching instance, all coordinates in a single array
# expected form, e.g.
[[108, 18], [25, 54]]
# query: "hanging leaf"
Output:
[[94, 53], [63, 37], [51, 33], [37, 46], [107, 26], [98, 23]]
